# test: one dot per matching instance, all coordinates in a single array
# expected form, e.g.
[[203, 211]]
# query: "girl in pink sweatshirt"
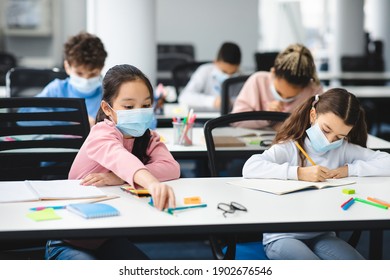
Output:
[[121, 148], [292, 80]]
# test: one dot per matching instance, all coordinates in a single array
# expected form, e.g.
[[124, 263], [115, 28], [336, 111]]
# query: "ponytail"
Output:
[[358, 134], [296, 65]]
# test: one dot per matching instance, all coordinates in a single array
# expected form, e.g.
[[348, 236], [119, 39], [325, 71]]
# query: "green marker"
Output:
[[371, 203]]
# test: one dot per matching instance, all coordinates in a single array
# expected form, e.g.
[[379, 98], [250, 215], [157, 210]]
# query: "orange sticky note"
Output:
[[192, 200]]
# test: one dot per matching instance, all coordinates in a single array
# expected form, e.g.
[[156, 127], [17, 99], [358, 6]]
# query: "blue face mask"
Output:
[[84, 85], [219, 77], [277, 96], [134, 122], [319, 141]]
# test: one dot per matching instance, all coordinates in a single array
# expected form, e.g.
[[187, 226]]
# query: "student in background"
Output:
[[203, 91], [331, 129], [84, 57], [292, 79], [120, 148]]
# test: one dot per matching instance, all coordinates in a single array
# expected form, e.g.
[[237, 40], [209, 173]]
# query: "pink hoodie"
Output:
[[256, 93], [105, 149]]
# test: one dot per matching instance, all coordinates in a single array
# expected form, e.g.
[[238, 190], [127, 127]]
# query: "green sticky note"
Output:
[[43, 215]]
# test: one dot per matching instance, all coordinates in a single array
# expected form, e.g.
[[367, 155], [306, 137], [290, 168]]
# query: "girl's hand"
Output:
[[275, 106], [102, 179], [338, 173], [314, 173], [163, 195]]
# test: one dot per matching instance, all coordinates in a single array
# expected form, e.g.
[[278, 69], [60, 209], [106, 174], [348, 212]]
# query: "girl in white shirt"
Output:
[[331, 128]]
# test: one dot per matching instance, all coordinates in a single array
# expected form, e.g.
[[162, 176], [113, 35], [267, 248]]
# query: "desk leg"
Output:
[[376, 245]]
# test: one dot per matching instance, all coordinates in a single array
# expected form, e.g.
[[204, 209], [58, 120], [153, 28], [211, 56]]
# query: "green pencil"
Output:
[[371, 203]]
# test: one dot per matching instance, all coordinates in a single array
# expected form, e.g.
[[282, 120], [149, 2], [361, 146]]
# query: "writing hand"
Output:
[[217, 102], [275, 105], [314, 173]]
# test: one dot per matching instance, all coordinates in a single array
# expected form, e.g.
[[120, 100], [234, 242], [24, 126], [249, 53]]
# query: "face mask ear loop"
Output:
[[316, 99], [111, 109]]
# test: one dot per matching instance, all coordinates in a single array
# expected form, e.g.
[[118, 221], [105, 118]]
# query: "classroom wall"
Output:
[[65, 18], [206, 24]]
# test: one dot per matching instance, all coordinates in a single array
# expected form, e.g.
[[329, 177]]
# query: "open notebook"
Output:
[[18, 191], [280, 187]]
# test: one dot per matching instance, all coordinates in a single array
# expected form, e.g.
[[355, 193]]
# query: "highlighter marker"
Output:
[[348, 204]]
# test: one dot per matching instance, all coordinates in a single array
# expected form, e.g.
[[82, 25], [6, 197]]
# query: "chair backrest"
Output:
[[41, 143], [171, 55], [231, 87], [28, 82], [368, 63], [182, 73], [265, 60], [7, 62], [219, 158]]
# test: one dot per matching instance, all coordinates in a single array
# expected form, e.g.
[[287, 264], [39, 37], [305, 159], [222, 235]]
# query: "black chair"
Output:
[[265, 60], [169, 56], [28, 82], [7, 62], [182, 73], [61, 123], [236, 246], [38, 152], [231, 87]]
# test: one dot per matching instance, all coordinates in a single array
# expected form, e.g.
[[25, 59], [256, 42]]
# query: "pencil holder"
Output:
[[182, 133]]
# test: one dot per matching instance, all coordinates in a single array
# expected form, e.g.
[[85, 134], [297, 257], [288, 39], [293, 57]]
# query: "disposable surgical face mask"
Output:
[[277, 96], [219, 76], [134, 122], [318, 140], [84, 85]]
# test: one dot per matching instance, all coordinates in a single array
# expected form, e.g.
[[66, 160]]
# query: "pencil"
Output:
[[376, 200], [304, 153]]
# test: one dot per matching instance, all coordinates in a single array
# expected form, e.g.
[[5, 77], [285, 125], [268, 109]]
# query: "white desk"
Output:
[[314, 210], [199, 149], [368, 91], [323, 75], [172, 110]]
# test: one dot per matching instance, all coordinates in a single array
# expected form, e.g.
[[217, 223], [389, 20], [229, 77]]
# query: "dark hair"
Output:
[[229, 53], [112, 81], [337, 101], [296, 65], [85, 49]]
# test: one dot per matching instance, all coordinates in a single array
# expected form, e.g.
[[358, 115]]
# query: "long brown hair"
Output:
[[112, 81], [337, 101]]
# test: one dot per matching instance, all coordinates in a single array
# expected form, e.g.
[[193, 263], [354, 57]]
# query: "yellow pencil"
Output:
[[304, 153]]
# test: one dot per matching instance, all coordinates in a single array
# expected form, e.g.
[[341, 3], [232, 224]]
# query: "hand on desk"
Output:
[[338, 173], [319, 173], [102, 179], [217, 102], [162, 194], [276, 106]]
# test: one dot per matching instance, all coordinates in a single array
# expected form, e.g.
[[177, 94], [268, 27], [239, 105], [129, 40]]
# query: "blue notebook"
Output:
[[93, 210]]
